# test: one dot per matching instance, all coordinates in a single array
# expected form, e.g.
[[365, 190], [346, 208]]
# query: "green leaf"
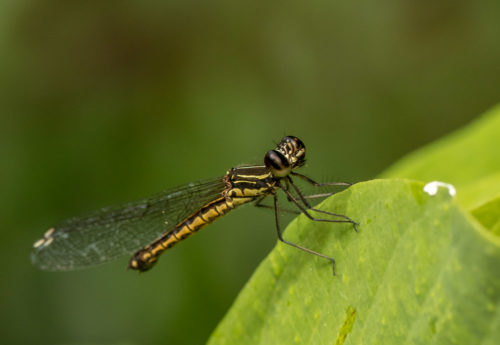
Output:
[[489, 215], [469, 159], [419, 271], [422, 269]]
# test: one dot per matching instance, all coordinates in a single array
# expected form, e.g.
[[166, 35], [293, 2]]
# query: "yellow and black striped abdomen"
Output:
[[145, 258]]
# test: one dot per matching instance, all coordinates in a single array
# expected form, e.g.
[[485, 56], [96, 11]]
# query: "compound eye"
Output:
[[277, 163]]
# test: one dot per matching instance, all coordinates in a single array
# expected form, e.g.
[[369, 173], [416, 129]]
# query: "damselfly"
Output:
[[149, 227]]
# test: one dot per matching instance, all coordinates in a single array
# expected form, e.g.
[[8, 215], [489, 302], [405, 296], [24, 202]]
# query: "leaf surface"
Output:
[[422, 269]]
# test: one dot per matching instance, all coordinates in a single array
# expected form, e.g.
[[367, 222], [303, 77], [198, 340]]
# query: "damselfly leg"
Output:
[[316, 184], [306, 208], [310, 208], [280, 237]]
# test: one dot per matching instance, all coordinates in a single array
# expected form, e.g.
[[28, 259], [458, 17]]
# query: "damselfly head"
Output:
[[288, 155]]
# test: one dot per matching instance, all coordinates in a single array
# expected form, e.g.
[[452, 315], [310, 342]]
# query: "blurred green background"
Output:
[[107, 102]]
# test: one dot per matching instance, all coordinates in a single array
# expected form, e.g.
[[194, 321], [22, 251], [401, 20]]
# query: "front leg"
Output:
[[316, 184], [308, 207]]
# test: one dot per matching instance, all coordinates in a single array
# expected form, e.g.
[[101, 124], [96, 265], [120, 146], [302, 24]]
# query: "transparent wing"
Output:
[[111, 232]]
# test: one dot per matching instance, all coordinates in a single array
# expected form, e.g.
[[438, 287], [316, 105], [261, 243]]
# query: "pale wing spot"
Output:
[[49, 232], [45, 240], [39, 243]]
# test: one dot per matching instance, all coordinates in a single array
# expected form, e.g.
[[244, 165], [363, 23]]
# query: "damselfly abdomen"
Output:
[[149, 227]]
